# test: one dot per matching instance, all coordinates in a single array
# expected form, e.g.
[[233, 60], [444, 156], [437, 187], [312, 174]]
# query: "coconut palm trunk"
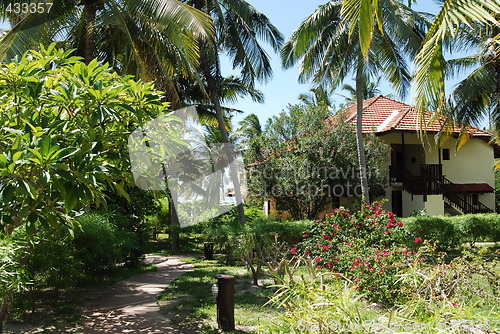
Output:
[[213, 89], [359, 131], [90, 11]]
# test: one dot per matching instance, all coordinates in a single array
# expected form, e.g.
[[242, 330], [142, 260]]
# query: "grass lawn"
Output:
[[189, 303]]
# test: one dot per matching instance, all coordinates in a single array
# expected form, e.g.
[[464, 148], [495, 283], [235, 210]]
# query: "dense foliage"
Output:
[[63, 151], [63, 136], [451, 231], [361, 246], [303, 160]]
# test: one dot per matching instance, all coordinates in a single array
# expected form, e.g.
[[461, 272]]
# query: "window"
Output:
[[446, 154]]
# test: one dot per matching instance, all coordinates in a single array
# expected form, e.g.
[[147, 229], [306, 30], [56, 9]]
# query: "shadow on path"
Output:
[[130, 306]]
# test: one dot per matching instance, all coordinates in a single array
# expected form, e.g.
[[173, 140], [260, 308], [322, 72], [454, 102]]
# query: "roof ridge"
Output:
[[375, 98], [403, 115]]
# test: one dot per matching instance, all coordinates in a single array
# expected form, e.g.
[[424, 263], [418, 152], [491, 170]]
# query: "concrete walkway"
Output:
[[130, 306]]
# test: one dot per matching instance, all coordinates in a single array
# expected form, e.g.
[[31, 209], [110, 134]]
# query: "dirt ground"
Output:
[[129, 306]]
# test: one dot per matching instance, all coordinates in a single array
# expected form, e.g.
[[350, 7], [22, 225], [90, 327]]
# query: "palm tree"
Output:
[[239, 28], [369, 89], [478, 95], [250, 128], [333, 42], [318, 96], [456, 19], [152, 39]]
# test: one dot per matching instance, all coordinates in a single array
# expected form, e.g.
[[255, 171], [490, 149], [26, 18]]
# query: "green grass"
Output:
[[189, 303]]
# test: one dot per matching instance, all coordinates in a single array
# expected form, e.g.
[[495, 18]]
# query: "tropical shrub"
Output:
[[364, 247], [13, 276], [436, 229], [477, 227], [457, 297], [59, 261], [448, 232]]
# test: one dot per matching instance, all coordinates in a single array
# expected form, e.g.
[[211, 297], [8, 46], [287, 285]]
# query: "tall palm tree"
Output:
[[318, 96], [152, 39], [239, 29], [455, 19], [250, 128], [369, 89], [330, 44]]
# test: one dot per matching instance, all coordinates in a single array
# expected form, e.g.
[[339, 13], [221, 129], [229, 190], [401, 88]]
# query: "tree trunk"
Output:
[[90, 11], [359, 131], [213, 90], [174, 226], [4, 311]]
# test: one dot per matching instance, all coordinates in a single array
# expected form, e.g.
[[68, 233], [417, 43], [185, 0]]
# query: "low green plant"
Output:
[[436, 229], [456, 297], [477, 227]]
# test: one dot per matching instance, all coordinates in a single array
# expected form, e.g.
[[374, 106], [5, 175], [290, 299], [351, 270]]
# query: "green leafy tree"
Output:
[[348, 36], [63, 139], [151, 39], [304, 161]]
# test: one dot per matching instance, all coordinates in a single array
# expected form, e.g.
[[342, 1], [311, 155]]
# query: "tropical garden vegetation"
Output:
[[70, 213]]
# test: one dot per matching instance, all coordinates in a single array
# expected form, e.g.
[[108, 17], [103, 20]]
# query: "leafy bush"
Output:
[[58, 261], [364, 247], [100, 245], [436, 229], [450, 231], [457, 297], [477, 227], [13, 277]]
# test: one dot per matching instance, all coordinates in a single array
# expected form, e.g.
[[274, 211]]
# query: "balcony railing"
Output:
[[432, 182]]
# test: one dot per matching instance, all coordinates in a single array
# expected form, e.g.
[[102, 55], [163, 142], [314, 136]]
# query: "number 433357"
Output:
[[28, 8]]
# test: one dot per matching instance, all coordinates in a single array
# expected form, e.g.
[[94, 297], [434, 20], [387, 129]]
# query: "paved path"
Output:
[[130, 306]]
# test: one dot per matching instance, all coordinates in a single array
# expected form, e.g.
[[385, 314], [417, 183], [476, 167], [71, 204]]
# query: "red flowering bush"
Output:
[[364, 246]]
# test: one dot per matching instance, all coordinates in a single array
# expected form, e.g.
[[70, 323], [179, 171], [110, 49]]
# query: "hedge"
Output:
[[450, 231]]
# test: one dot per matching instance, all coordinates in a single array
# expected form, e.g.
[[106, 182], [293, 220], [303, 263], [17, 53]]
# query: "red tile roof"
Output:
[[382, 114]]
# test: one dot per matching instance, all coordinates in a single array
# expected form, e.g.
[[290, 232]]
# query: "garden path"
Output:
[[130, 306]]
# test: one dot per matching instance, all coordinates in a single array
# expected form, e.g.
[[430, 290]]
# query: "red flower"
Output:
[[329, 265], [294, 250], [318, 259], [350, 243], [326, 237], [418, 240], [400, 224], [390, 225]]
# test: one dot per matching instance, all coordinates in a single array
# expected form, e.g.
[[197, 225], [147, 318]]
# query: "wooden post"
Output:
[[208, 248], [225, 302]]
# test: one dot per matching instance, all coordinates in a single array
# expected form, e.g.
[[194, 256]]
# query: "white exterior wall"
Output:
[[473, 163], [412, 204], [434, 205]]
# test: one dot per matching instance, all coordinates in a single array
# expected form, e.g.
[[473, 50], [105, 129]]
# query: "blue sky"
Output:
[[284, 88]]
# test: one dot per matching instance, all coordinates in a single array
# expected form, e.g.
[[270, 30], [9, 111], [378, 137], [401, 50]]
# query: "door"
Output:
[[397, 203]]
